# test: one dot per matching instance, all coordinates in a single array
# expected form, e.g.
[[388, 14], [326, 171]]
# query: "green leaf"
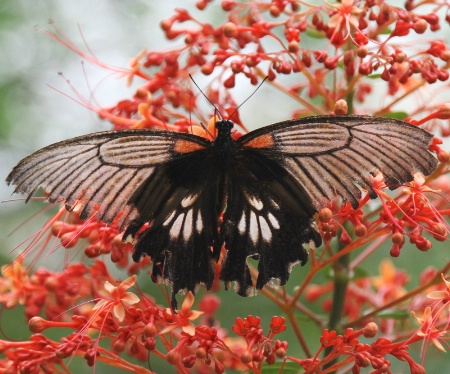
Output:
[[386, 31], [374, 76], [396, 115], [315, 34], [328, 272], [394, 314], [289, 367], [359, 273], [303, 318]]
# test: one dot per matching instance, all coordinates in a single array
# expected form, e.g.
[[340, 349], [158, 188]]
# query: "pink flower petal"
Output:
[[119, 312], [109, 287], [129, 298]]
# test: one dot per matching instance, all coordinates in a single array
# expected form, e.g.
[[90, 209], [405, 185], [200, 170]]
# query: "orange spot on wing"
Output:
[[185, 146], [263, 141]]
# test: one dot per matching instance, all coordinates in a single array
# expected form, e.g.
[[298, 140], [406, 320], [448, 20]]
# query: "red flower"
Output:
[[329, 338], [183, 317], [277, 325], [246, 326], [119, 298]]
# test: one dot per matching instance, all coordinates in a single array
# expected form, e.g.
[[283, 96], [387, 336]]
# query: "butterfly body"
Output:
[[224, 145], [256, 196]]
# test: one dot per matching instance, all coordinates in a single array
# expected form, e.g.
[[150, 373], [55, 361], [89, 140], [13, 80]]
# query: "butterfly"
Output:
[[256, 195]]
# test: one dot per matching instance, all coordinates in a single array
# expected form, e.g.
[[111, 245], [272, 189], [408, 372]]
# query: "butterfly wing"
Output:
[[145, 176], [294, 168], [102, 170], [268, 217], [180, 241], [335, 155], [281, 176], [162, 178]]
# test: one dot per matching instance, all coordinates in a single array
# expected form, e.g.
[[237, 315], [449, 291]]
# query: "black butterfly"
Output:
[[269, 183]]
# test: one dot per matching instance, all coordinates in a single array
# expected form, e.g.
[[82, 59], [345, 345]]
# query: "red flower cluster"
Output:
[[260, 347], [337, 56], [360, 355]]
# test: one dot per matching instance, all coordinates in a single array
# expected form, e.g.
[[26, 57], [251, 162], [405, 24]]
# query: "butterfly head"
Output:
[[224, 125]]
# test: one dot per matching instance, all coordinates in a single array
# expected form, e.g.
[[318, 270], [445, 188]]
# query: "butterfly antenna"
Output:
[[206, 97], [256, 89], [191, 98]]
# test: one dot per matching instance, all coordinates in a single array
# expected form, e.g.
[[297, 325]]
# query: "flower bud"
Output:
[[325, 215], [150, 330], [173, 356], [370, 330], [37, 324], [341, 107], [230, 30], [246, 357], [360, 230]]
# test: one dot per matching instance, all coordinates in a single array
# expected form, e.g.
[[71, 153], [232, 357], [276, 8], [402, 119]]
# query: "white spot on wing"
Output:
[[265, 229], [176, 227], [188, 201], [241, 225], [167, 221], [254, 201], [199, 223], [273, 221], [187, 227], [254, 228], [274, 204]]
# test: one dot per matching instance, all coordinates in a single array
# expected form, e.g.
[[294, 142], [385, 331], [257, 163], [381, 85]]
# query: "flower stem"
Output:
[[340, 280]]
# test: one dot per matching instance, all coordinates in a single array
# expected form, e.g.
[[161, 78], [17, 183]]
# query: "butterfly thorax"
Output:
[[224, 145]]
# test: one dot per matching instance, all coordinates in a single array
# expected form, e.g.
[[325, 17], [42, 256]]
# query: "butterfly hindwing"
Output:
[[184, 229], [268, 217]]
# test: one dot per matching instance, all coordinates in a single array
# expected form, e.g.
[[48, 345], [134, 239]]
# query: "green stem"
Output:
[[340, 280], [349, 99], [341, 272]]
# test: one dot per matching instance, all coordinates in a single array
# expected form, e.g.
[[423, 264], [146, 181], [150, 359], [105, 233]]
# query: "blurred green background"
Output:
[[33, 115]]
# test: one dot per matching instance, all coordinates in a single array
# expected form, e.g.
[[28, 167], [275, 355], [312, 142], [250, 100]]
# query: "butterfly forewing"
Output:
[[101, 170], [327, 155]]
